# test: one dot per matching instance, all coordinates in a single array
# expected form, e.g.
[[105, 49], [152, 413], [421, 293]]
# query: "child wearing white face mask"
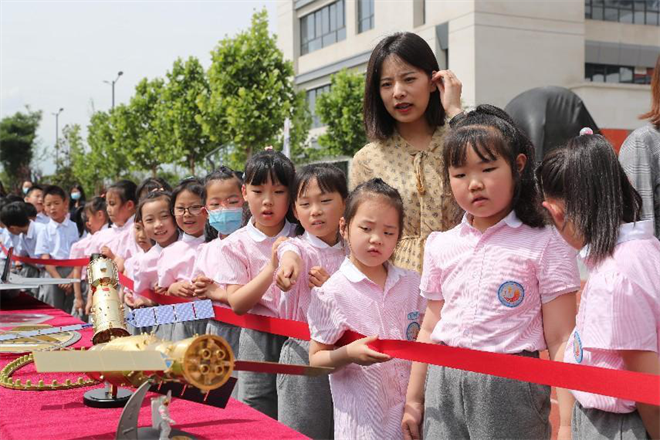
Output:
[[223, 201]]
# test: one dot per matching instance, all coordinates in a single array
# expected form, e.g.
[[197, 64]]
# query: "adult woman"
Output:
[[640, 156], [405, 104], [76, 198]]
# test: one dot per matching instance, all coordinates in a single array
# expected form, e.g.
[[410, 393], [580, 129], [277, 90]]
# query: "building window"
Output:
[[617, 74], [624, 11], [312, 94], [323, 27], [365, 15]]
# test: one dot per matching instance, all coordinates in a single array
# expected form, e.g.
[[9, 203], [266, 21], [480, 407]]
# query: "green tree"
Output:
[[340, 110], [70, 144], [179, 114], [106, 157], [301, 122], [251, 92], [139, 128], [17, 141]]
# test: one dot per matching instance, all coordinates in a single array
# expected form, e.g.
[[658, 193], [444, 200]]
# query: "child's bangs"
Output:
[[486, 142], [261, 173], [327, 182]]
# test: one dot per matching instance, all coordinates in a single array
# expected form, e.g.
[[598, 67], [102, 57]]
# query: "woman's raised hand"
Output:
[[450, 91]]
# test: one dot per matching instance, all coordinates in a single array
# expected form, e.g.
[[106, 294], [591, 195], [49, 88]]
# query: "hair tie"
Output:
[[586, 130]]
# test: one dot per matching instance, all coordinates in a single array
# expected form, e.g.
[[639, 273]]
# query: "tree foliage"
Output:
[[179, 112], [18, 134], [251, 92], [71, 145], [340, 110], [105, 157]]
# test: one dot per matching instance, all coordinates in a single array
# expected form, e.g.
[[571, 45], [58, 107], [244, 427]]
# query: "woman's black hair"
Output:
[[153, 196], [373, 189], [328, 177], [192, 184], [222, 173], [586, 175], [413, 50], [95, 205], [126, 190], [78, 219], [80, 201], [152, 184], [491, 132], [273, 165]]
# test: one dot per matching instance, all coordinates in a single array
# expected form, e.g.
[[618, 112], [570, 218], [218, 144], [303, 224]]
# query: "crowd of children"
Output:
[[296, 244]]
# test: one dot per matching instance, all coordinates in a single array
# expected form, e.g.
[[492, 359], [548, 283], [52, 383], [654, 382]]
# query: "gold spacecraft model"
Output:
[[204, 362]]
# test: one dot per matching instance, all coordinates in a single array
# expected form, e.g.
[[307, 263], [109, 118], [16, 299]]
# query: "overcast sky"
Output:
[[56, 54]]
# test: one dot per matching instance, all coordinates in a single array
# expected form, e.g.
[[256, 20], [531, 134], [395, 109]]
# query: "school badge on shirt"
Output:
[[413, 327], [511, 293], [578, 353]]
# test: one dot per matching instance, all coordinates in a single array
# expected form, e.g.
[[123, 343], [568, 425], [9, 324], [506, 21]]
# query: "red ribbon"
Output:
[[76, 262], [639, 387]]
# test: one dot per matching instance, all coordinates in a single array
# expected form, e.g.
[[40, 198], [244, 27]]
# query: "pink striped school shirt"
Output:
[[313, 252], [243, 254], [368, 401], [145, 272], [619, 310], [176, 261], [109, 236], [495, 283], [207, 262], [83, 247]]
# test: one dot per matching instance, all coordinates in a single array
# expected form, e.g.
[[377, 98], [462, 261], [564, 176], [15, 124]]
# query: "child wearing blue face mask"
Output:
[[224, 202]]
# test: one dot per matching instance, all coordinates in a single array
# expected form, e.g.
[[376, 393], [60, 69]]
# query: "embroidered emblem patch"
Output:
[[577, 348], [511, 293], [412, 331]]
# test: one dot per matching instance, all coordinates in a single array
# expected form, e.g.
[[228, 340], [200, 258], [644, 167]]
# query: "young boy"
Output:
[[16, 218], [35, 196], [54, 241]]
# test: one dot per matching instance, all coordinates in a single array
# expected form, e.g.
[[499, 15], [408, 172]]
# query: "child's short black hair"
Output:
[[328, 177], [414, 50], [30, 210], [153, 196], [126, 190], [33, 188], [491, 132], [14, 214], [270, 164], [54, 190], [222, 173], [192, 184], [152, 184], [586, 175], [14, 198], [373, 189]]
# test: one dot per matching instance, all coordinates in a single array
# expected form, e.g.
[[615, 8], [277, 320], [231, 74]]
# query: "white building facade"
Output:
[[603, 50]]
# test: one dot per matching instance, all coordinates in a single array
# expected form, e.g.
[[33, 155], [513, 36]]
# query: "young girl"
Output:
[[306, 262], [96, 220], [119, 242], [175, 263], [246, 269], [145, 244], [596, 209], [371, 296], [501, 282], [224, 202], [407, 99], [159, 226]]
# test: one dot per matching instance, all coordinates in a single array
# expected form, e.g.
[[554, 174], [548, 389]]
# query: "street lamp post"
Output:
[[112, 83], [57, 136]]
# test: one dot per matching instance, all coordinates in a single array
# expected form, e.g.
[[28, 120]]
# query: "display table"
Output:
[[62, 414]]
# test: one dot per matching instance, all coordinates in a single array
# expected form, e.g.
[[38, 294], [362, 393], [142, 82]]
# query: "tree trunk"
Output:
[[154, 170], [191, 164]]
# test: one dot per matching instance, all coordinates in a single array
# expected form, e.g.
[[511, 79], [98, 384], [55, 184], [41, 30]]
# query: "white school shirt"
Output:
[[494, 283], [56, 239], [368, 401], [28, 241], [619, 310], [313, 252], [243, 255], [176, 261], [42, 218]]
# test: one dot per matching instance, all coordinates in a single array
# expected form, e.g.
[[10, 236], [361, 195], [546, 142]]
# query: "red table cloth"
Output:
[[62, 415]]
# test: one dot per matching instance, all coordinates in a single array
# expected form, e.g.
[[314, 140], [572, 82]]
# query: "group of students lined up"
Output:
[[502, 280]]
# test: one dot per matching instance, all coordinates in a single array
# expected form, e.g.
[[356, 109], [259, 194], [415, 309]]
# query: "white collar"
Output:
[[355, 275], [259, 236], [510, 220], [320, 244], [640, 230], [192, 239], [60, 225], [123, 227]]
